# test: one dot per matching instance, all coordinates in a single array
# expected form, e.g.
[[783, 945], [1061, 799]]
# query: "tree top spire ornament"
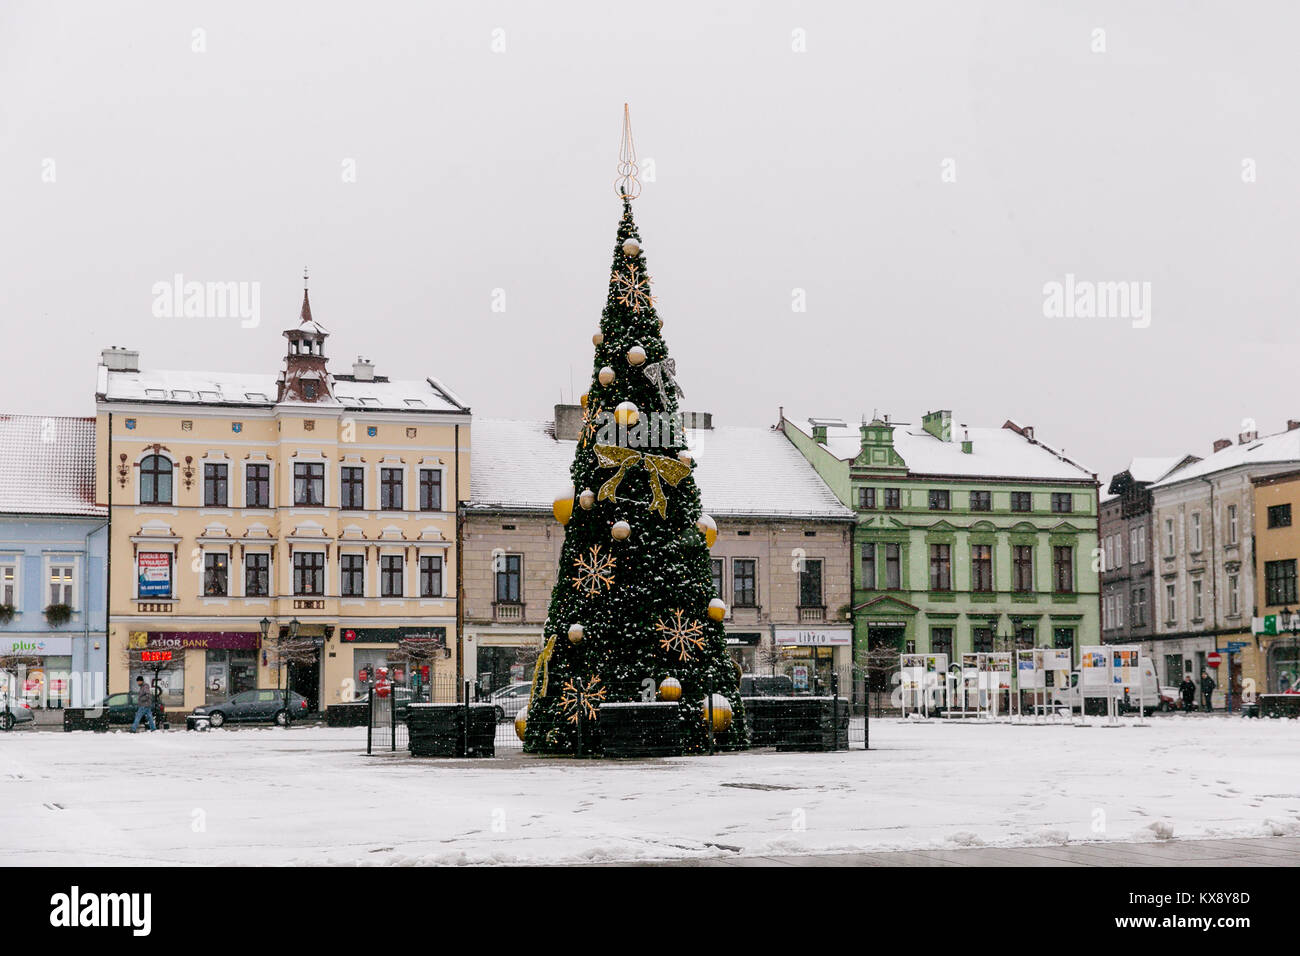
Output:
[[627, 185]]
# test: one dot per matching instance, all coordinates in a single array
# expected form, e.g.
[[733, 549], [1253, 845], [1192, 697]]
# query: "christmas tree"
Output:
[[634, 615]]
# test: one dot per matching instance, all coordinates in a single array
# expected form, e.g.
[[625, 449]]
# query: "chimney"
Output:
[[117, 359], [694, 420], [1221, 444], [938, 424], [819, 434], [363, 370], [1247, 436], [568, 422], [967, 446], [1292, 424]]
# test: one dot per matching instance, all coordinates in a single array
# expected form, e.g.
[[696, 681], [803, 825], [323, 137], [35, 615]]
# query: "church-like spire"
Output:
[[305, 317], [306, 373]]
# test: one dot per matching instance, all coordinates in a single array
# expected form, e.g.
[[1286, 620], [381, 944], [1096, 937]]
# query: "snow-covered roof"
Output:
[[260, 389], [995, 452], [47, 465], [740, 471], [1152, 469], [1271, 449]]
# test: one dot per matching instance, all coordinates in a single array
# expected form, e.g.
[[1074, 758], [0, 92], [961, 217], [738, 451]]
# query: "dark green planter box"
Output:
[[1279, 705], [798, 723], [438, 730], [640, 729], [347, 715], [76, 718]]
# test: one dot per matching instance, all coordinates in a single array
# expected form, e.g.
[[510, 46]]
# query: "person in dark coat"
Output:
[[1188, 689], [1207, 690]]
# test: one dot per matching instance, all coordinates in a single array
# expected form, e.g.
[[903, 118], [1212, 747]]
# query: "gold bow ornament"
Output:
[[661, 468]]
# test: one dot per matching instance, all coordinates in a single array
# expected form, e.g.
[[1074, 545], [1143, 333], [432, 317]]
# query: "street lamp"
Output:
[[265, 625], [287, 664]]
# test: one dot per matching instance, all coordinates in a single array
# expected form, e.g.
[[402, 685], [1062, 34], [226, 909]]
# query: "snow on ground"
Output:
[[311, 796]]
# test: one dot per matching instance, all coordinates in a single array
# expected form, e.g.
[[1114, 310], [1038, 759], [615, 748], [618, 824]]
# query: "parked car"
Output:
[[121, 708], [510, 700], [15, 712], [766, 685], [255, 706]]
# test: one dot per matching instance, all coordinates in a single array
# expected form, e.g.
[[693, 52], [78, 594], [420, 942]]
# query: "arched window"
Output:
[[155, 481]]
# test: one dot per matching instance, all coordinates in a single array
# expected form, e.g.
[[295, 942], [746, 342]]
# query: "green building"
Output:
[[967, 539]]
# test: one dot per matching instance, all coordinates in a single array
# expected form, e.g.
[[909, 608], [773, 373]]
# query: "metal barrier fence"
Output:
[[446, 719]]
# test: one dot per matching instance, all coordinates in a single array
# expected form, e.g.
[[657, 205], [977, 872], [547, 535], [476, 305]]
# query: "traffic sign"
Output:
[[1213, 659], [1235, 647]]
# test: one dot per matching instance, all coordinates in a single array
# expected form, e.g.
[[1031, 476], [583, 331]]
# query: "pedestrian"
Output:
[[1207, 691], [144, 705], [1188, 689]]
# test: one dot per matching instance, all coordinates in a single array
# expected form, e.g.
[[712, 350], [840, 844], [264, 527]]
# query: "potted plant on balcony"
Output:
[[6, 613], [58, 614]]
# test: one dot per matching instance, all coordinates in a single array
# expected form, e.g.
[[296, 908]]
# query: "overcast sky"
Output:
[[1119, 156]]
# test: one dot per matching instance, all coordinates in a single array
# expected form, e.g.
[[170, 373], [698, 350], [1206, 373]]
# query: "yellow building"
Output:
[[243, 502], [1272, 659]]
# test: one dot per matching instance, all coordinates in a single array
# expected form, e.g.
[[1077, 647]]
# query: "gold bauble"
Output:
[[721, 713], [562, 507], [709, 528], [686, 458], [670, 688], [582, 399], [631, 247], [717, 609], [605, 376], [635, 355], [598, 338], [620, 530], [587, 499], [521, 723], [576, 633], [626, 414]]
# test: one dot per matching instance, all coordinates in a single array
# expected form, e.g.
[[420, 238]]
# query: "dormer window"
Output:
[[309, 390]]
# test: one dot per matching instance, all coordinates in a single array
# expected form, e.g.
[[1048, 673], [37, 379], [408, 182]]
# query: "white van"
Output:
[[1150, 696]]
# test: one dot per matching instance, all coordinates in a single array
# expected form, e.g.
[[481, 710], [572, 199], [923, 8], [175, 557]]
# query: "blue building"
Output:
[[53, 562]]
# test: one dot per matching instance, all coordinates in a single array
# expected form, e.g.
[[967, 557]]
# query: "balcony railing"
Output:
[[507, 611], [812, 613]]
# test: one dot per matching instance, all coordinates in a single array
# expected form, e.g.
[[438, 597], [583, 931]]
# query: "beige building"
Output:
[[781, 561], [309, 500], [1271, 661]]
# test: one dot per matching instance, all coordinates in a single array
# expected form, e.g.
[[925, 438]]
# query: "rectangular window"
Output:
[[257, 575], [1196, 531], [61, 584], [1279, 582], [1233, 595], [869, 566], [866, 497], [391, 568], [1142, 545], [893, 566], [215, 486], [893, 499], [1198, 607], [1279, 516], [352, 488], [1139, 607], [1171, 603], [1063, 568], [981, 501], [1119, 610], [1232, 524], [1169, 537], [390, 489], [257, 486], [1063, 638], [940, 567], [941, 641], [352, 575], [9, 585], [1108, 553], [308, 573], [981, 640], [216, 574], [430, 489], [717, 565], [1133, 545], [1022, 568], [1119, 551], [939, 500], [744, 582], [810, 584], [981, 567], [431, 575], [309, 484], [1062, 502], [1022, 501], [508, 567]]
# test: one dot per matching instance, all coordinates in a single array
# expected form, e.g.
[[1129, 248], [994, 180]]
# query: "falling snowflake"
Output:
[[581, 698], [634, 289], [681, 636], [594, 570]]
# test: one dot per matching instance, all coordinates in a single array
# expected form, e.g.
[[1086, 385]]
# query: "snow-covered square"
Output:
[[310, 796]]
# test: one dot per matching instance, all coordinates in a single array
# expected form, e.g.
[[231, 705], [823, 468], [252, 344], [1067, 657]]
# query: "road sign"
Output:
[[1213, 659], [1235, 647]]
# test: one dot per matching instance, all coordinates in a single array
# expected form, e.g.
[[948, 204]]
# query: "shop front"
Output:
[[414, 657], [743, 648], [192, 668], [811, 655], [39, 671], [498, 658]]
